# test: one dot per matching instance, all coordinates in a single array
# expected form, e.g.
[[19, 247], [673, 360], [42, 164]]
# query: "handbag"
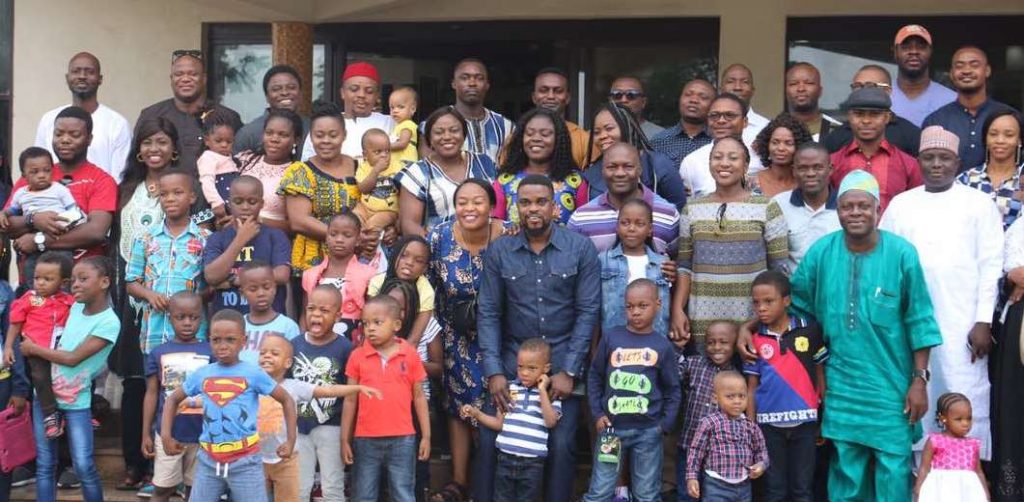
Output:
[[17, 443], [463, 313]]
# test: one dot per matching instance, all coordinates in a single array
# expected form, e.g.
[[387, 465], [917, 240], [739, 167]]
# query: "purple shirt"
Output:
[[598, 220], [915, 110], [727, 447]]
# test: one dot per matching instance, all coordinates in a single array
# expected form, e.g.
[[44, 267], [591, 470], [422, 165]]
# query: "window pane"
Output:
[[237, 78]]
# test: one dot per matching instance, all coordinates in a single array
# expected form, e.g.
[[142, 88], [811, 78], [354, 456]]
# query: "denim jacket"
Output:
[[615, 278]]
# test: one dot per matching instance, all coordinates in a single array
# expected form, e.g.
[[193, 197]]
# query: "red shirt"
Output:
[[895, 170], [392, 414], [39, 316], [92, 188]]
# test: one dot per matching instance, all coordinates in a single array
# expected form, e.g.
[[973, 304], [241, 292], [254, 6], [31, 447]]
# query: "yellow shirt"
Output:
[[384, 196], [422, 287], [409, 154]]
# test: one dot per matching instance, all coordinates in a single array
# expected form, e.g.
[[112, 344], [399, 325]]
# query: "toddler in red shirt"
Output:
[[40, 315]]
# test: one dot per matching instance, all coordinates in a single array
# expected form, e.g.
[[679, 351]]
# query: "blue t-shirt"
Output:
[[282, 325], [231, 404], [270, 245], [72, 385], [320, 365], [171, 363], [633, 380]]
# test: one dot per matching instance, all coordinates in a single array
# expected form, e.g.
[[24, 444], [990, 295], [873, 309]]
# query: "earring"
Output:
[[1019, 146], [138, 156], [174, 157]]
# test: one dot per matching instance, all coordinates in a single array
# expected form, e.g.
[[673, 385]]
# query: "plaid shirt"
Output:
[[727, 447], [676, 144], [1009, 207], [698, 379]]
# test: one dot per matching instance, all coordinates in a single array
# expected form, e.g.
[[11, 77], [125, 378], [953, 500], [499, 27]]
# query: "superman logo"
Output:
[[224, 389]]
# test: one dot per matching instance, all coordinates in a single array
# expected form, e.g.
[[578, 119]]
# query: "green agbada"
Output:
[[875, 311]]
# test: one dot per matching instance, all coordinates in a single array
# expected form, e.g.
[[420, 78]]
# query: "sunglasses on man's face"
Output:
[[180, 53], [627, 95]]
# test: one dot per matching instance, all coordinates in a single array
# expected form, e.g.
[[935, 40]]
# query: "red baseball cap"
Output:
[[361, 69], [913, 30]]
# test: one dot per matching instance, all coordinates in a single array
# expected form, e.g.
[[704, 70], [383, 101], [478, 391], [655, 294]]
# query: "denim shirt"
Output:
[[615, 278], [554, 294]]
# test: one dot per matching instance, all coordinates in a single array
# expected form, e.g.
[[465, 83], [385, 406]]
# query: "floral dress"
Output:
[[458, 275], [329, 196]]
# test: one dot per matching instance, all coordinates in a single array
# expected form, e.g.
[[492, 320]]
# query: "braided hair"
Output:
[[562, 164], [411, 306], [629, 128], [946, 401]]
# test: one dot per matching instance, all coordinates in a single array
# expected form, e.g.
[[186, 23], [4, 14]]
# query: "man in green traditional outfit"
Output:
[[867, 289]]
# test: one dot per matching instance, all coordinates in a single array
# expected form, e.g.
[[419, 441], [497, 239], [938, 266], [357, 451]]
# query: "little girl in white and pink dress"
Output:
[[950, 466]]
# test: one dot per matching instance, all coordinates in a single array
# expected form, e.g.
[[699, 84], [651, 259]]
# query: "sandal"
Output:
[[131, 482], [451, 492]]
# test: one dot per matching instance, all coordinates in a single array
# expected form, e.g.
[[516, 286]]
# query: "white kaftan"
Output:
[[959, 238]]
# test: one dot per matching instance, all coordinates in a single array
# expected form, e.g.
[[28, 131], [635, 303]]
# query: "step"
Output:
[[110, 494]]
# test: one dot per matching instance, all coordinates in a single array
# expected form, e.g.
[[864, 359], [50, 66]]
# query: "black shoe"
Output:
[[68, 480], [22, 476]]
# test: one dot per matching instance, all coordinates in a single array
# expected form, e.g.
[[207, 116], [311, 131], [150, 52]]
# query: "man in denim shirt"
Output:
[[546, 282]]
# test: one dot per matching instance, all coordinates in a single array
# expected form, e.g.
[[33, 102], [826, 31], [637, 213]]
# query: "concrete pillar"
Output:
[[293, 46], [754, 33]]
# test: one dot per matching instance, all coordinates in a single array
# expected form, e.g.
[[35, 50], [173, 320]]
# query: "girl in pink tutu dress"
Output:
[[950, 468]]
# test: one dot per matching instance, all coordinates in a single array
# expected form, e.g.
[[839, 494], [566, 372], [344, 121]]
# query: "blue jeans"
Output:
[[790, 475], [716, 490], [516, 478], [643, 448], [561, 463], [243, 478], [79, 434], [395, 454]]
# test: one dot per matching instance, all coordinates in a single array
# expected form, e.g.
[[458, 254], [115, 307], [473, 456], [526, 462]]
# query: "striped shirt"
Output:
[[523, 433], [487, 135], [426, 181], [598, 221]]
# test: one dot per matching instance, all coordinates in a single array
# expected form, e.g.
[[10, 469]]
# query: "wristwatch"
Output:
[[40, 240], [923, 374]]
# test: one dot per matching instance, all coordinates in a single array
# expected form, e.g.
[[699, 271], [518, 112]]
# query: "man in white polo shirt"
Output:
[[111, 133]]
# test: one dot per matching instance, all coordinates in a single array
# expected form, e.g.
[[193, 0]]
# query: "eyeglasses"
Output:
[[870, 85], [716, 116], [180, 53], [627, 95], [721, 216]]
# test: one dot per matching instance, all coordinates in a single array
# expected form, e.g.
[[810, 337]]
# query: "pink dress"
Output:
[[953, 476]]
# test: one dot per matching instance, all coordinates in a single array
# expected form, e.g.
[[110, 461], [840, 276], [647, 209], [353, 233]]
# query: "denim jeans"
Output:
[[561, 464], [79, 433], [644, 450], [396, 455], [790, 475], [243, 478], [716, 490], [517, 478]]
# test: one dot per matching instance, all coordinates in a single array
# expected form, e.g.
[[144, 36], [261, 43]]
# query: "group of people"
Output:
[[786, 297]]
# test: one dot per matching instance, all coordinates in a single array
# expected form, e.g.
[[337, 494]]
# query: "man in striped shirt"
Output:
[[598, 218], [523, 430]]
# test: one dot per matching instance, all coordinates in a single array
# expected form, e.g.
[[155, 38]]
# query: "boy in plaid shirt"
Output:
[[728, 447]]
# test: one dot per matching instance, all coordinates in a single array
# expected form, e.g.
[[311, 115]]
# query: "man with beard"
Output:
[[958, 234], [486, 130], [551, 91], [803, 90], [810, 208], [282, 87], [739, 80], [543, 282], [360, 90], [867, 289], [93, 189], [112, 135], [629, 92], [868, 112], [727, 117], [916, 95], [691, 132], [966, 116], [188, 106]]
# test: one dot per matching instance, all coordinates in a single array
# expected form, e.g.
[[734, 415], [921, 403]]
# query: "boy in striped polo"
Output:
[[523, 430]]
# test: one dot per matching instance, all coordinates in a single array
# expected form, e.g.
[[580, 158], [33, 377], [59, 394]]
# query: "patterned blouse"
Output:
[[570, 193], [1008, 206], [329, 196]]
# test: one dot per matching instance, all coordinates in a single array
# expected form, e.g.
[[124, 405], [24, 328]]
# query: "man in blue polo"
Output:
[[546, 282]]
